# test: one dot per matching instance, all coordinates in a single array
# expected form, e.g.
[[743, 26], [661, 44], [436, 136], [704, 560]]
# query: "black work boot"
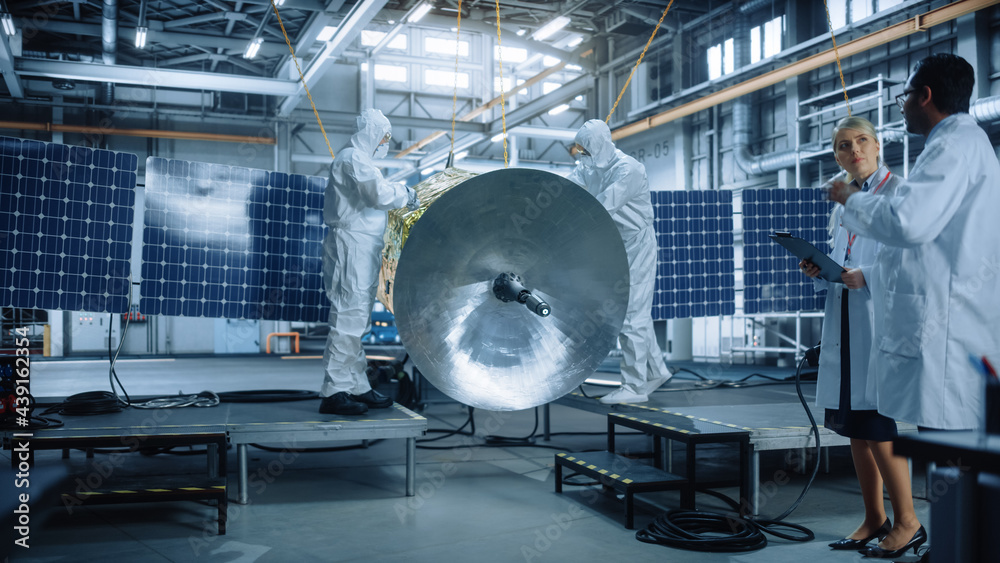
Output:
[[373, 399], [342, 403]]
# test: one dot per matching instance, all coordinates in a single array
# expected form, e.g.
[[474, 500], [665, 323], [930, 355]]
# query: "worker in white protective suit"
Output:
[[357, 198], [619, 182]]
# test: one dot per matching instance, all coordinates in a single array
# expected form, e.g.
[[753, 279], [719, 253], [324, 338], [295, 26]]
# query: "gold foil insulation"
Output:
[[401, 220]]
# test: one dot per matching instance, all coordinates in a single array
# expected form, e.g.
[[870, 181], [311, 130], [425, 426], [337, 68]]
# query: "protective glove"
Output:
[[413, 201]]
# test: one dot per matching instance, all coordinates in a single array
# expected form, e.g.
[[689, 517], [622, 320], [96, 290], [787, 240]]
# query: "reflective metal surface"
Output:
[[566, 250]]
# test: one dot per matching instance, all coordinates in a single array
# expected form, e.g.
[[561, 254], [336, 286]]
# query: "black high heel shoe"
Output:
[[848, 543], [916, 541]]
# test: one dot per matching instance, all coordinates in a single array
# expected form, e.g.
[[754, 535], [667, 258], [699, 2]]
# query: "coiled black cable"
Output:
[[89, 403]]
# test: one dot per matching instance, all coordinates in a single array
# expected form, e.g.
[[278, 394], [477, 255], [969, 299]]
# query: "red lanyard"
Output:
[[850, 237]]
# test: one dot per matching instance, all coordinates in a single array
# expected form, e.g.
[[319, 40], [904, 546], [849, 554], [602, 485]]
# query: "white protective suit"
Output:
[[860, 309], [619, 182], [938, 294], [356, 201]]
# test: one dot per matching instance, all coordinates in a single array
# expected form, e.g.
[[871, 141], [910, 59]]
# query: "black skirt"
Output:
[[866, 424]]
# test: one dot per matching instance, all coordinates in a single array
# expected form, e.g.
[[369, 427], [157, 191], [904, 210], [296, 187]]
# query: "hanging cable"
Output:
[[638, 62], [454, 95], [301, 76], [836, 54], [503, 105]]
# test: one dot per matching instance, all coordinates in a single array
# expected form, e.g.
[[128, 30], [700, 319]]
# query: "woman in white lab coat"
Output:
[[843, 383]]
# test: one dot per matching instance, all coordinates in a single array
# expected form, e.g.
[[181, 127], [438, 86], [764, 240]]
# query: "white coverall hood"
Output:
[[373, 126], [595, 137]]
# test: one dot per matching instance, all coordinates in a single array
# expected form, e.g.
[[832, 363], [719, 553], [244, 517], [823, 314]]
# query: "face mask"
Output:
[[587, 161], [381, 151]]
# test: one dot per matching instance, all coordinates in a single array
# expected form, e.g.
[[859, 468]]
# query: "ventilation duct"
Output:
[[986, 109], [109, 44]]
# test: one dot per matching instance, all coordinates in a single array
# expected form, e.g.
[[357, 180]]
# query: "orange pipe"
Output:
[[157, 133], [292, 334]]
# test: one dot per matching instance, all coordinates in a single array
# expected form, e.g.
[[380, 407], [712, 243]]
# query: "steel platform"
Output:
[[771, 426], [283, 424]]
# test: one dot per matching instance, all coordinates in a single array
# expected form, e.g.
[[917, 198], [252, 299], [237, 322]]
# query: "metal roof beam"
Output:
[[155, 77], [155, 36], [7, 68]]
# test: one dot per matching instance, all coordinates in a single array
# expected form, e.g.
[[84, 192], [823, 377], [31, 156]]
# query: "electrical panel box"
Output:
[[91, 332]]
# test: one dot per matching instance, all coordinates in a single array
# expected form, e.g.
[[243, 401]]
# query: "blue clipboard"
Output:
[[804, 250]]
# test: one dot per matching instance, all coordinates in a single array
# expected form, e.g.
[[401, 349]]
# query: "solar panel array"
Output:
[[772, 281], [695, 271], [232, 242], [66, 217]]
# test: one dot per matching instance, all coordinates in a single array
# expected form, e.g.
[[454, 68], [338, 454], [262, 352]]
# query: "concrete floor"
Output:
[[472, 503]]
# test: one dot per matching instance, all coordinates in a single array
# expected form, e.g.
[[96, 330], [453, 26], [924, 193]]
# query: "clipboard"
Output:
[[804, 250]]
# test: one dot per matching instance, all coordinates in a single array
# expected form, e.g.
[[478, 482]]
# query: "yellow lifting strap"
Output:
[[301, 76], [454, 96], [638, 62], [503, 103], [836, 54]]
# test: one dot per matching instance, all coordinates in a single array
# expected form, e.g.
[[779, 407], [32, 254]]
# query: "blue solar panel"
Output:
[[772, 281], [233, 242], [65, 226], [695, 271]]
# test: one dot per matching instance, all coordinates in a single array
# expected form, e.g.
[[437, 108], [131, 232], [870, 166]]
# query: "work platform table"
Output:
[[286, 425], [772, 426]]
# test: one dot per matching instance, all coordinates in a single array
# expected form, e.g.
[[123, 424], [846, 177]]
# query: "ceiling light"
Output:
[[520, 32], [460, 155], [253, 47], [427, 171], [8, 24], [575, 41], [279, 3], [326, 33], [558, 109], [496, 138], [553, 26], [418, 12], [140, 37]]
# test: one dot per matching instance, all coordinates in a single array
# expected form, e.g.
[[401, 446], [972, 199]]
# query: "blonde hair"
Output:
[[858, 124]]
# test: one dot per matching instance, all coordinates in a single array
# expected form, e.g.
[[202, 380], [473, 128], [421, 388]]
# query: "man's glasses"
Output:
[[901, 98]]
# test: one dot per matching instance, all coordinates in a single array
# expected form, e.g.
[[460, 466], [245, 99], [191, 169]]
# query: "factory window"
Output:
[[843, 11], [390, 73], [508, 85], [372, 38], [510, 54], [441, 46], [771, 43], [720, 59], [550, 61], [446, 78]]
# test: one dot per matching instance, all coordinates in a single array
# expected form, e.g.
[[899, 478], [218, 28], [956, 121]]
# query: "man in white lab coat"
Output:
[[356, 201], [938, 293], [619, 182]]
